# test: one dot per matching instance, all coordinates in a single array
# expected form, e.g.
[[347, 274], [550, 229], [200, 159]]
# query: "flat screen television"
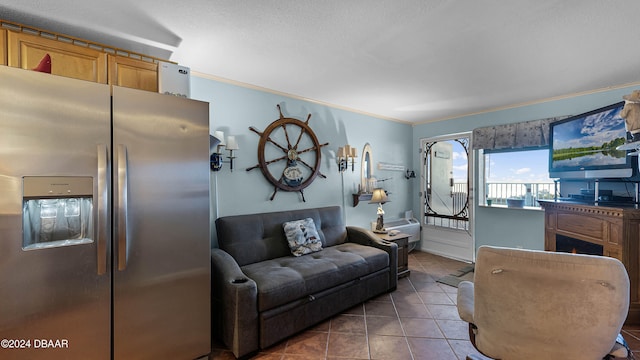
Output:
[[584, 146]]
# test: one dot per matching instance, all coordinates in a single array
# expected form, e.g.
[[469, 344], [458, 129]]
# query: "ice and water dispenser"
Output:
[[57, 211]]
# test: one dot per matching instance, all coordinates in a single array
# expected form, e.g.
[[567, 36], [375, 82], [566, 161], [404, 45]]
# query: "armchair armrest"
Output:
[[234, 304], [366, 237], [465, 301]]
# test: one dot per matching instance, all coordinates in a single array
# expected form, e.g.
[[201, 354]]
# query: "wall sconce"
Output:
[[379, 197], [216, 158], [344, 153]]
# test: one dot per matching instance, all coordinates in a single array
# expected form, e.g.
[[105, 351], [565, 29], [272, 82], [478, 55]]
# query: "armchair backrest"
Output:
[[547, 305]]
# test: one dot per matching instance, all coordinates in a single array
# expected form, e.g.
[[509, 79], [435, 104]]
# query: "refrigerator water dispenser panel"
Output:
[[57, 211]]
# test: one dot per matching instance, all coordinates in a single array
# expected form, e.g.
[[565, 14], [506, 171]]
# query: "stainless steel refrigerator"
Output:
[[104, 221]]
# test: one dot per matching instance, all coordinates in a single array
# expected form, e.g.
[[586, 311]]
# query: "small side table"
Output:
[[402, 240]]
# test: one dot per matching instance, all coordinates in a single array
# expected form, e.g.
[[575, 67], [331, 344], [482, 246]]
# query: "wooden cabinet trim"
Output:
[[3, 47], [83, 43]]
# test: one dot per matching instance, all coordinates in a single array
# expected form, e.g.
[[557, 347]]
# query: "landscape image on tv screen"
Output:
[[589, 141]]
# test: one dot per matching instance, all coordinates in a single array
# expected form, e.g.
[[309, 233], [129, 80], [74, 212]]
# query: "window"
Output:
[[521, 174]]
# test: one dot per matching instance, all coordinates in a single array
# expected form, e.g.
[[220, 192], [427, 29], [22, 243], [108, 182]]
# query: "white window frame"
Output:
[[534, 186]]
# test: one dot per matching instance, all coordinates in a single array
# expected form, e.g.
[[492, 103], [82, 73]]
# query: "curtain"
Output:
[[527, 134]]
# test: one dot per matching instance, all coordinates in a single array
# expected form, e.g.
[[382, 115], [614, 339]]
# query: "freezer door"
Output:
[[161, 233], [55, 300]]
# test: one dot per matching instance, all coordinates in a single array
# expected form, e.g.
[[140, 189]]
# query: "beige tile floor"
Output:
[[418, 321]]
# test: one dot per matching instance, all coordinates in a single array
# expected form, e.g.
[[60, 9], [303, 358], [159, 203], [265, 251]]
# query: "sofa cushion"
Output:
[[302, 236], [285, 279]]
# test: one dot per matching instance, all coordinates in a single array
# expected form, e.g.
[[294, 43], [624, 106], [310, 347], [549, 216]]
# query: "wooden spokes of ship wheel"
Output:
[[289, 154]]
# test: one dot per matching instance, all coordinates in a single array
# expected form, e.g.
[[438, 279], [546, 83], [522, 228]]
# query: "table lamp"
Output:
[[379, 197]]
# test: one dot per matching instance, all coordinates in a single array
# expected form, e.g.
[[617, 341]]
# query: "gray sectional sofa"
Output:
[[262, 294]]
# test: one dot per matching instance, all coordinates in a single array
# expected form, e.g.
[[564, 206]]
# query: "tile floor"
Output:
[[418, 321]]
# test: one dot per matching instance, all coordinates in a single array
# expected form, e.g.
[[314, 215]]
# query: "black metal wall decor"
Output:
[[459, 199], [289, 154]]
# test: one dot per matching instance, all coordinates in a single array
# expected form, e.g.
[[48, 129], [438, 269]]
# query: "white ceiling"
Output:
[[411, 60]]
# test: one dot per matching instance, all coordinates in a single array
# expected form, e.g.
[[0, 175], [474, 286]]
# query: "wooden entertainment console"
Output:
[[615, 228]]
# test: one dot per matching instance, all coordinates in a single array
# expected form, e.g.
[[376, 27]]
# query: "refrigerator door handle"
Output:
[[122, 241], [103, 212]]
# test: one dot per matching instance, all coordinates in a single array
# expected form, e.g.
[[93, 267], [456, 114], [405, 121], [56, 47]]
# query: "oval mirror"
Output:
[[366, 172]]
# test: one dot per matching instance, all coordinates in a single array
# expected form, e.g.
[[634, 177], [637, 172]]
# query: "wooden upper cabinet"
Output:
[[84, 63], [77, 59], [3, 47], [133, 73]]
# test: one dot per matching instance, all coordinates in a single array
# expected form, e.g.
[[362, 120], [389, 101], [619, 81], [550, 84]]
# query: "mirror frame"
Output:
[[366, 151], [463, 212]]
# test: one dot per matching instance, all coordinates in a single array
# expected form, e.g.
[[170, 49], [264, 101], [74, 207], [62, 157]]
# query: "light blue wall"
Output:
[[512, 227], [233, 109]]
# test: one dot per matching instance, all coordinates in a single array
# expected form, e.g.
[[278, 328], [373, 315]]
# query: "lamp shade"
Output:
[[379, 196], [220, 136], [213, 143], [232, 144]]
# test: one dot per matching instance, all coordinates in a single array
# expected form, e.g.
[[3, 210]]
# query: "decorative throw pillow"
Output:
[[302, 237]]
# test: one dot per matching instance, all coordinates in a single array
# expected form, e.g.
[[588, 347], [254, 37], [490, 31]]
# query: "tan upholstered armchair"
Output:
[[526, 304]]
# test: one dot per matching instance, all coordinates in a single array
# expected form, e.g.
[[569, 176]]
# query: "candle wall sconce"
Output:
[[346, 153], [217, 157]]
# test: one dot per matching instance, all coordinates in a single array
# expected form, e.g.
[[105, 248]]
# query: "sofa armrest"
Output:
[[234, 305], [366, 237], [465, 301]]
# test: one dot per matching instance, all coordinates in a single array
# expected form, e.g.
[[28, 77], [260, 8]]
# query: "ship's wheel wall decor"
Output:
[[289, 154]]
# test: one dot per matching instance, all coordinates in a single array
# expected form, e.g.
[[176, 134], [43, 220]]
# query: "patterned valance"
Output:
[[527, 134]]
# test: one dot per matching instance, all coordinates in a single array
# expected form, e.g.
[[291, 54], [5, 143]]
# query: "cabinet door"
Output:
[[74, 61], [3, 47], [133, 73]]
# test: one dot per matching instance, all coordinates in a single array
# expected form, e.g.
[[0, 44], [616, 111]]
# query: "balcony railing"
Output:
[[498, 193], [456, 215]]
